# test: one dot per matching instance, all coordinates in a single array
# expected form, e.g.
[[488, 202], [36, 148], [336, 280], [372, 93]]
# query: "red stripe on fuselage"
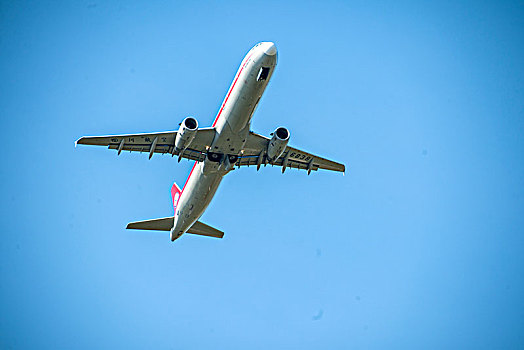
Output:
[[183, 188], [231, 89], [219, 113]]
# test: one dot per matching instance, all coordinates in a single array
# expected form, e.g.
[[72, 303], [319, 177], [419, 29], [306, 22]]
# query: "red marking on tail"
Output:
[[175, 194]]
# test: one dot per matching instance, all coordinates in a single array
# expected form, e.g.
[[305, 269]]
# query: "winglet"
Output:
[[176, 192]]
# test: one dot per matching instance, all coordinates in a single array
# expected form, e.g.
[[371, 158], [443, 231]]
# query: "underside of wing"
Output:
[[159, 142], [255, 154]]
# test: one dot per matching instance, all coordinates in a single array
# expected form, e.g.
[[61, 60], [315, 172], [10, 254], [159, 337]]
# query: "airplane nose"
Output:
[[269, 48]]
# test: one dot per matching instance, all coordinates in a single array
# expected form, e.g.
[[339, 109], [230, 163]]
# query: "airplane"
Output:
[[216, 150]]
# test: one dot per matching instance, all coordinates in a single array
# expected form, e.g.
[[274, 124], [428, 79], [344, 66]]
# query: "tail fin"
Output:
[[176, 192]]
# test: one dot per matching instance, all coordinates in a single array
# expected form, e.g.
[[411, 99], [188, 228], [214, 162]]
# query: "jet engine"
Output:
[[186, 133], [277, 144]]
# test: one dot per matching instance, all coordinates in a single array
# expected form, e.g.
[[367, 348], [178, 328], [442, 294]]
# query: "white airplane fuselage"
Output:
[[232, 125]]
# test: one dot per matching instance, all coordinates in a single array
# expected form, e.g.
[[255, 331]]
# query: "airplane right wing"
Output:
[[160, 142], [255, 154]]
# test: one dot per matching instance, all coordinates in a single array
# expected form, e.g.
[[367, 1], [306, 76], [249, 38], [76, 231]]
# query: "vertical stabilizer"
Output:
[[176, 192]]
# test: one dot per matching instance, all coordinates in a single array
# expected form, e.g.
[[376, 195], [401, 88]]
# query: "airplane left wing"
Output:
[[255, 154], [160, 142]]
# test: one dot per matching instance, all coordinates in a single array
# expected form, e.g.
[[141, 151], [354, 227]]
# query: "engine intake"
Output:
[[277, 144], [186, 133]]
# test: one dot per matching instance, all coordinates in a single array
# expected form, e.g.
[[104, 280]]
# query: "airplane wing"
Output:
[[254, 154], [159, 142]]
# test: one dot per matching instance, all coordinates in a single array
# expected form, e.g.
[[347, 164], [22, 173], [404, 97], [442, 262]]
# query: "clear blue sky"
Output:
[[419, 246]]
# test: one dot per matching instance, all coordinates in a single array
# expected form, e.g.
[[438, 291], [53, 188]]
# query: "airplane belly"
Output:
[[242, 107], [202, 195], [233, 121], [195, 198]]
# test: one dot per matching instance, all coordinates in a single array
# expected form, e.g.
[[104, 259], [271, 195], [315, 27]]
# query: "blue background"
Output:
[[420, 245]]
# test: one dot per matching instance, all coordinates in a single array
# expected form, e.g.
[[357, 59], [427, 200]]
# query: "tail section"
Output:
[[165, 224], [176, 192]]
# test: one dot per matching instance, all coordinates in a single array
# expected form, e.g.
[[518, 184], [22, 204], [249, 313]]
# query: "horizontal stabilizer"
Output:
[[165, 224], [199, 228]]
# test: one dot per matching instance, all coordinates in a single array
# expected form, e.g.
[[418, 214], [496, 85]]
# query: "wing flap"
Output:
[[252, 160]]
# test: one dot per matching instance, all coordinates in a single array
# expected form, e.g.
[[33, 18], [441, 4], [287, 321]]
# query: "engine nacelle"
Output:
[[277, 144], [186, 133]]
